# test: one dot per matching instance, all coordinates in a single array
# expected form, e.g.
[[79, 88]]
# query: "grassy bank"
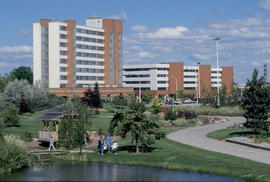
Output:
[[211, 111], [228, 132], [172, 155]]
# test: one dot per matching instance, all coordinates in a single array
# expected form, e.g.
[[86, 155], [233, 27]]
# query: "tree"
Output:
[[92, 99], [96, 97], [181, 94], [10, 116], [22, 73], [147, 97], [256, 103], [143, 131], [24, 106], [74, 123], [120, 101]]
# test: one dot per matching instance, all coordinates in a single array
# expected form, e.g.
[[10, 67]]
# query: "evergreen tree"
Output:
[[96, 97], [87, 97], [256, 102]]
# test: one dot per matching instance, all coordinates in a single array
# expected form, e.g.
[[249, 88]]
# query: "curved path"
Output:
[[197, 137]]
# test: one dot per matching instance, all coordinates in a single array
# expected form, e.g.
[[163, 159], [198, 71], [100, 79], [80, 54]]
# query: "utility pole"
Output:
[[198, 82], [218, 100]]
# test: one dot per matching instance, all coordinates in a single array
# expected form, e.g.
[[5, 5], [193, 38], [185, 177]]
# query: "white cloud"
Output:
[[202, 57], [265, 4], [6, 65], [121, 16], [146, 55], [138, 28], [167, 33], [22, 32], [255, 63], [16, 49]]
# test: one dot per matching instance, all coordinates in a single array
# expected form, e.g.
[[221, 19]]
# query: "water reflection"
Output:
[[108, 172]]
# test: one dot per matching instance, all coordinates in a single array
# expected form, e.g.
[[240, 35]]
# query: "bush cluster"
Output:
[[187, 113], [171, 114], [13, 154]]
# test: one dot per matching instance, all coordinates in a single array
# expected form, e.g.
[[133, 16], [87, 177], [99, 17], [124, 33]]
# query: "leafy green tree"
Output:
[[157, 106], [235, 96], [137, 106], [10, 116], [22, 73], [74, 123], [143, 131], [120, 101], [3, 82], [181, 94], [256, 103], [147, 97]]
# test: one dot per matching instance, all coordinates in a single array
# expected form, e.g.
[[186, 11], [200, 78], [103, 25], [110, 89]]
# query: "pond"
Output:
[[108, 172]]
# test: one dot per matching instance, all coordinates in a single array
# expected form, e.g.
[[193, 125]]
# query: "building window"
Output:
[[63, 53], [189, 82], [62, 44], [89, 70], [87, 39], [162, 88], [161, 75], [90, 32], [63, 77], [137, 69], [189, 88], [189, 76], [62, 85], [162, 82], [63, 69], [63, 61], [142, 88], [63, 28], [190, 70], [216, 72], [136, 76], [91, 55], [83, 62], [63, 36], [162, 69]]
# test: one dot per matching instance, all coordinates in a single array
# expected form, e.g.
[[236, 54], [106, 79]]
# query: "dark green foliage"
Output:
[[2, 126], [13, 155], [24, 106], [10, 116], [171, 114], [74, 124], [256, 103], [147, 97], [3, 82], [190, 114], [119, 101], [100, 131], [157, 107], [137, 106], [143, 131], [92, 99], [28, 136], [96, 97], [181, 94], [22, 73]]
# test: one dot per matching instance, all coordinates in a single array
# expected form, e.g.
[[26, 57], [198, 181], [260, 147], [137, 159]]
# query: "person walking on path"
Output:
[[115, 147], [100, 145], [109, 142], [51, 144]]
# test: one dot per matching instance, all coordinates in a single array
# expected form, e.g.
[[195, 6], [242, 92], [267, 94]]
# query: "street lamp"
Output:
[[198, 83], [217, 39]]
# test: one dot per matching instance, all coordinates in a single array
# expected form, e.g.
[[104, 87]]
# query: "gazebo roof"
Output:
[[52, 115]]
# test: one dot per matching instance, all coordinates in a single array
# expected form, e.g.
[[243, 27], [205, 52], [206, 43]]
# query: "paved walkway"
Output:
[[197, 137]]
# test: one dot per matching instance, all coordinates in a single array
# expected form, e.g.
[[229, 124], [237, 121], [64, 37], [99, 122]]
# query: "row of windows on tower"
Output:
[[83, 62]]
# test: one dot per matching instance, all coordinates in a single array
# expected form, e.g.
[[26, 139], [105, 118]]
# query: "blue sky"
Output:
[[154, 30]]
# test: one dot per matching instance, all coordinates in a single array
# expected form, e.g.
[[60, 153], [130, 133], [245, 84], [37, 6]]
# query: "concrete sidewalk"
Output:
[[197, 137]]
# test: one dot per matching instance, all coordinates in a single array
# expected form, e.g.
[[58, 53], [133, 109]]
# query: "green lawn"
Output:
[[29, 123], [228, 132]]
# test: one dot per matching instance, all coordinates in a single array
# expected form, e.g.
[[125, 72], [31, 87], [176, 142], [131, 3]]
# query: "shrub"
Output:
[[10, 116], [28, 136], [189, 114], [24, 106], [171, 114], [13, 154], [181, 113], [137, 106], [156, 107], [100, 131]]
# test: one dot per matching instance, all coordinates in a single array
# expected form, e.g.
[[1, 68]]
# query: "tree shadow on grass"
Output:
[[243, 133], [132, 148]]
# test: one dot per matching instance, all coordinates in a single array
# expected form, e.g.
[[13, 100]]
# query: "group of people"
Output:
[[107, 146]]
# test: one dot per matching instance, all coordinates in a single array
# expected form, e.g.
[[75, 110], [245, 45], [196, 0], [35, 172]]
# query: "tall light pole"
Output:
[[198, 83], [217, 39]]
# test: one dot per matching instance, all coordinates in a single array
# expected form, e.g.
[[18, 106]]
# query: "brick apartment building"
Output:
[[69, 58], [170, 77]]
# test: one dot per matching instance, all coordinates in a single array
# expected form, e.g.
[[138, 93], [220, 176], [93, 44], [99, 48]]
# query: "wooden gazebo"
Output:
[[50, 118]]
